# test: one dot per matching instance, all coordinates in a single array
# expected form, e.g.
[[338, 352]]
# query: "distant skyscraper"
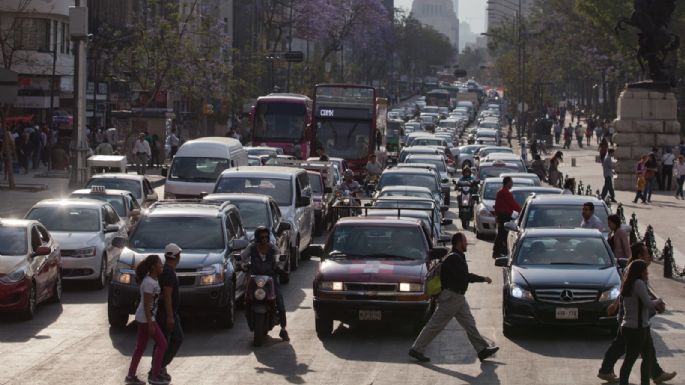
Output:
[[456, 7], [439, 14]]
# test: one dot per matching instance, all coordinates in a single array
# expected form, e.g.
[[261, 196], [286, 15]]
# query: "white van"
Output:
[[198, 163], [288, 186]]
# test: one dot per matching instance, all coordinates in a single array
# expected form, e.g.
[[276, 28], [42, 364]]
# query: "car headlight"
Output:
[[124, 276], [610, 294], [212, 275], [259, 294], [408, 287], [86, 252], [518, 292], [14, 277], [335, 286]]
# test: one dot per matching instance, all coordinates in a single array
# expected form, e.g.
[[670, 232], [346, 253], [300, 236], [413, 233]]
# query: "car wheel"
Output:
[[101, 280], [260, 329], [117, 318], [30, 310], [57, 290], [226, 319], [508, 330], [324, 327]]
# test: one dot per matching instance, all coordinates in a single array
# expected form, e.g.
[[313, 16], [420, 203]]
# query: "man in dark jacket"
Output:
[[455, 279]]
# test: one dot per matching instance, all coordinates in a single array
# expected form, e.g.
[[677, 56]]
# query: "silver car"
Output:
[[486, 223]]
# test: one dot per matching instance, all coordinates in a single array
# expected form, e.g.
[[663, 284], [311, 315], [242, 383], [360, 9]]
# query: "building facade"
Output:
[[440, 15], [38, 48]]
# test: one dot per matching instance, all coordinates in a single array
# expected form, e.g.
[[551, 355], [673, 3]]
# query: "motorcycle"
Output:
[[371, 182], [345, 205], [467, 200], [260, 304]]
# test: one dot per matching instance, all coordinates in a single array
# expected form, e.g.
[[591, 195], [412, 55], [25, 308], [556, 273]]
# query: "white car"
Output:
[[486, 221], [123, 202], [138, 185], [85, 229]]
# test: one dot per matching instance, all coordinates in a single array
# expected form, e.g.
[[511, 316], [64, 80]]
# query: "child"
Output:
[[641, 182], [146, 276]]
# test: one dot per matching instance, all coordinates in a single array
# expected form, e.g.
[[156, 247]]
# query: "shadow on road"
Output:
[[581, 342], [279, 358], [488, 374], [13, 328], [80, 292]]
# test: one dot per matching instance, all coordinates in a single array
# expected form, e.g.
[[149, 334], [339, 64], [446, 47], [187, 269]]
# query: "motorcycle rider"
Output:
[[466, 175], [373, 171], [262, 256], [349, 184]]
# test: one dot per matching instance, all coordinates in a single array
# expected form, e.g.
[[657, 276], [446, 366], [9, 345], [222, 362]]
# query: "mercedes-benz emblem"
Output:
[[566, 295]]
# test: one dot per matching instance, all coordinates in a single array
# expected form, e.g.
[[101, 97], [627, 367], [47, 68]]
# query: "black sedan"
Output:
[[559, 277]]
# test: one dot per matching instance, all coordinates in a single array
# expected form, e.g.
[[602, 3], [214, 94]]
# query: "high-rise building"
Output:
[[440, 15]]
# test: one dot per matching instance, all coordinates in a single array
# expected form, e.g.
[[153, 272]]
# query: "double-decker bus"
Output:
[[283, 121], [345, 121]]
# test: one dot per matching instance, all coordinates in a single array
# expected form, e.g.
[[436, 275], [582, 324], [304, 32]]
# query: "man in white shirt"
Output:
[[590, 220], [174, 142], [667, 161], [141, 149]]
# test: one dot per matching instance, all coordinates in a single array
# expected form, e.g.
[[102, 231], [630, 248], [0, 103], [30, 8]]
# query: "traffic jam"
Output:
[[372, 193]]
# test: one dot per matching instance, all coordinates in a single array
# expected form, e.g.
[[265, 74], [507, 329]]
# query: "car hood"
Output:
[[9, 264], [74, 241], [190, 259], [565, 276], [489, 204], [372, 270]]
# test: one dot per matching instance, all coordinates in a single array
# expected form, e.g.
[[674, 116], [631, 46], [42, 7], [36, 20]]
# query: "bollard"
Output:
[[634, 234], [573, 162], [620, 213], [580, 188], [668, 259]]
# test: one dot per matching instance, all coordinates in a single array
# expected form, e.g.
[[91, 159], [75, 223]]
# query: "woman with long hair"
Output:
[[147, 272], [637, 307], [618, 238], [553, 174]]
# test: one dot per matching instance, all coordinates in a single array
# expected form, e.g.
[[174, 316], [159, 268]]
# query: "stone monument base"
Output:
[[646, 119]]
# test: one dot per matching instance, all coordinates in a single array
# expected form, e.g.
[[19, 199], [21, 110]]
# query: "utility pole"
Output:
[[78, 26], [290, 47]]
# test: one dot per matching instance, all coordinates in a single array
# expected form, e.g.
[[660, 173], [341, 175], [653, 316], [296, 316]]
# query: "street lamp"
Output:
[[52, 79]]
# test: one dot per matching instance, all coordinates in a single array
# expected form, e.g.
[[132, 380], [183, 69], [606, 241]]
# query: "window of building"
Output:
[[63, 39], [34, 34]]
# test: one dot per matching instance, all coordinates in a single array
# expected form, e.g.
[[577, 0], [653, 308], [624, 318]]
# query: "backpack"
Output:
[[433, 280]]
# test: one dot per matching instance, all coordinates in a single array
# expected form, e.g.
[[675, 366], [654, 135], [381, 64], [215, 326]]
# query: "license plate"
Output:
[[369, 315], [567, 313]]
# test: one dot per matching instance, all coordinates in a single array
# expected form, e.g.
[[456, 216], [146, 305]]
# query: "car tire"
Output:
[[509, 330], [57, 289], [226, 319], [260, 329], [101, 281], [117, 318], [324, 327], [30, 310]]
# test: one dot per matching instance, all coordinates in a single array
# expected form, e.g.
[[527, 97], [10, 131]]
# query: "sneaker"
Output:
[[284, 335], [665, 376], [608, 377], [419, 356], [487, 352], [162, 374], [133, 380], [157, 381]]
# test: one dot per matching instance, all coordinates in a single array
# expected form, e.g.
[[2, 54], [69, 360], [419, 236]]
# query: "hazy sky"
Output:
[[471, 11]]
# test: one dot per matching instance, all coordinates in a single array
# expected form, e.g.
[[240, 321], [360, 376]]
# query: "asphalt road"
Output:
[[71, 343]]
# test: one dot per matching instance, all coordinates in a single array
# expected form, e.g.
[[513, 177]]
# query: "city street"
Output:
[[72, 343]]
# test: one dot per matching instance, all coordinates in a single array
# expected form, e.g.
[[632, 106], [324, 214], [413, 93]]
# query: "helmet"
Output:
[[258, 230]]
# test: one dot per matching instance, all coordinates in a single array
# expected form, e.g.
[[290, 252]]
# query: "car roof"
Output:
[[546, 232], [524, 181], [503, 156], [187, 208], [81, 203], [119, 176], [237, 197], [408, 170], [528, 175], [270, 171], [87, 191], [406, 188], [535, 189], [379, 222], [497, 148], [498, 163], [570, 200], [426, 156]]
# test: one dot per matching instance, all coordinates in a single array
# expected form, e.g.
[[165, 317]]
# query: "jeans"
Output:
[[141, 344], [500, 247], [636, 345], [679, 191], [618, 348], [667, 177], [142, 161], [639, 195], [648, 189], [174, 338], [608, 187], [450, 304]]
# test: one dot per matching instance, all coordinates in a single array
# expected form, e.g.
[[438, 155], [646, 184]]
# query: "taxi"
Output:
[[122, 201]]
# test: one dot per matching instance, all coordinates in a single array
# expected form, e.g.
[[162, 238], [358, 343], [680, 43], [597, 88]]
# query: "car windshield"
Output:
[[495, 171], [418, 180], [377, 242], [67, 219], [561, 216], [563, 250], [315, 183], [490, 190], [405, 193], [520, 196], [189, 233], [132, 186], [253, 214], [486, 134], [439, 163], [428, 142], [116, 201], [197, 169], [488, 125], [278, 189], [347, 139], [468, 150], [13, 240], [257, 151]]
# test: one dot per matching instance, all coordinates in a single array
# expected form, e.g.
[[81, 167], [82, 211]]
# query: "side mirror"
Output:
[[283, 226], [282, 258], [239, 244], [303, 201], [327, 190], [165, 172], [135, 213], [437, 253], [447, 222], [42, 250], [502, 261], [119, 242], [511, 226], [111, 229]]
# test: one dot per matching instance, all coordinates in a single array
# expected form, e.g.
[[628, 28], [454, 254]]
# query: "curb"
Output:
[[24, 187]]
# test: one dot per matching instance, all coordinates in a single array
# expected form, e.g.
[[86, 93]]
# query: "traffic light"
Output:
[[208, 109]]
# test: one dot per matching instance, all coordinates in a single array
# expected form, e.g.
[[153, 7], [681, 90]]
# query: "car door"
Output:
[[39, 266], [282, 239], [53, 267], [304, 215], [229, 257], [112, 218]]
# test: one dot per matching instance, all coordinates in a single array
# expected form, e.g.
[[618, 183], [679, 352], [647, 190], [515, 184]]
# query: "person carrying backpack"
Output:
[[451, 302]]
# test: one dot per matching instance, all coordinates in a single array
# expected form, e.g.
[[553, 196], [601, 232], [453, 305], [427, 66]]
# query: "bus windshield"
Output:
[[347, 139], [279, 121]]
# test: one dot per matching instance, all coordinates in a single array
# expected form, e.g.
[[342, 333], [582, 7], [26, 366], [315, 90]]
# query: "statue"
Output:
[[658, 45]]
